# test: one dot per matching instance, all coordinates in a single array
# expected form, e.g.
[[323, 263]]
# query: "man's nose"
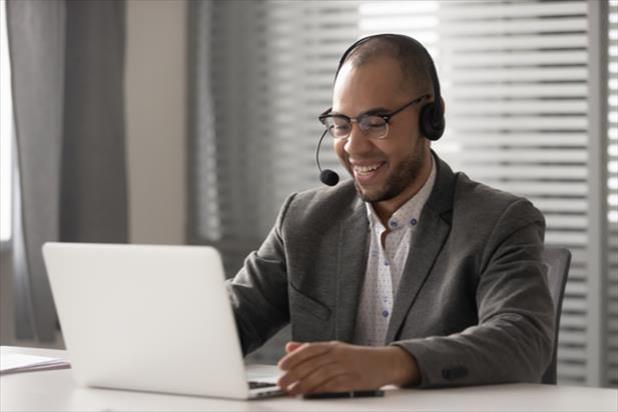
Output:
[[357, 142]]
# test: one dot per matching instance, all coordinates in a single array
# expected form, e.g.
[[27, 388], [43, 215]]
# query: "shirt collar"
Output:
[[408, 214]]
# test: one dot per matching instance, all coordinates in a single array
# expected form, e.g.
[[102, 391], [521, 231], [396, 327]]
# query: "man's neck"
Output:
[[386, 208]]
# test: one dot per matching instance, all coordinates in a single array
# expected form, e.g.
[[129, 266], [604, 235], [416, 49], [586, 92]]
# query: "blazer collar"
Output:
[[430, 236], [351, 264]]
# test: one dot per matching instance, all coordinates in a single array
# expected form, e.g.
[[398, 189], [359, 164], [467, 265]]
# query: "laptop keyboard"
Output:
[[257, 385]]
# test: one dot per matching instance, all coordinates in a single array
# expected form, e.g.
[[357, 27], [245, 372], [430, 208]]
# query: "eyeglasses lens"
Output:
[[374, 127]]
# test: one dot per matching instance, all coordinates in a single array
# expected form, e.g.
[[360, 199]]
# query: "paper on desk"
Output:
[[17, 362]]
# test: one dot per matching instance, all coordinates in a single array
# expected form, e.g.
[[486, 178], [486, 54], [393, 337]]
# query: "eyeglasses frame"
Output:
[[386, 116]]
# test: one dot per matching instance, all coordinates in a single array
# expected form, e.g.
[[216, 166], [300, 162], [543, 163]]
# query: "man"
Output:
[[408, 274]]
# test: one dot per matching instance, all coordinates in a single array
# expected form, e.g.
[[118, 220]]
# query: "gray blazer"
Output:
[[472, 307]]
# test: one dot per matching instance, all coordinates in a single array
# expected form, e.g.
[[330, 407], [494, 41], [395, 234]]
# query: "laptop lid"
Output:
[[153, 318]]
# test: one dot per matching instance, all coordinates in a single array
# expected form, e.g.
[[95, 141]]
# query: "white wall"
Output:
[[156, 99]]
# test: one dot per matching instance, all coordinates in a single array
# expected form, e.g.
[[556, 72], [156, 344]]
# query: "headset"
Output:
[[431, 118], [431, 115]]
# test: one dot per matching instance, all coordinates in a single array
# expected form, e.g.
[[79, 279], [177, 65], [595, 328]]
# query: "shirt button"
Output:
[[385, 313], [413, 222], [393, 224]]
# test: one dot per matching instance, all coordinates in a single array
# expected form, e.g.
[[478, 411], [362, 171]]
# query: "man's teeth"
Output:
[[366, 169]]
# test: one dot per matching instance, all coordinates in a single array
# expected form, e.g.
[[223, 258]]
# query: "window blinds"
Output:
[[516, 78], [271, 66], [612, 198]]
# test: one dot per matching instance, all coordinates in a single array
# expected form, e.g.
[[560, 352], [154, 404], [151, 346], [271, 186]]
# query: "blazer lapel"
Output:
[[351, 264], [432, 232]]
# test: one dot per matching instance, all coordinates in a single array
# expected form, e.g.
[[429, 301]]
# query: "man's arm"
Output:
[[258, 292], [513, 339]]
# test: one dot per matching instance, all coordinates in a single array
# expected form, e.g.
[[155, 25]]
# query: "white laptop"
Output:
[[150, 318]]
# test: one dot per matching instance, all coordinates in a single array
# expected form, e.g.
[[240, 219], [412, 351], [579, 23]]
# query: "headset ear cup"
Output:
[[430, 129]]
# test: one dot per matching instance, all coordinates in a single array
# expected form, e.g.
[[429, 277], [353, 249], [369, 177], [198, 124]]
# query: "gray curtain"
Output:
[[67, 65]]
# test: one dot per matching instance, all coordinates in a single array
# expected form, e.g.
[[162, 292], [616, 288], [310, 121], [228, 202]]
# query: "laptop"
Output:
[[149, 318]]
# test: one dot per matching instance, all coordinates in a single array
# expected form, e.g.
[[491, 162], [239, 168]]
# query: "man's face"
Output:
[[394, 168]]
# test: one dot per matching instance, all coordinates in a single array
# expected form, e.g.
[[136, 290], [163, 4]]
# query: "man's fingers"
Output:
[[302, 353], [317, 379], [302, 371], [292, 346]]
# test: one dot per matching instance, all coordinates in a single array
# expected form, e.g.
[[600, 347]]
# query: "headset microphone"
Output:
[[327, 176]]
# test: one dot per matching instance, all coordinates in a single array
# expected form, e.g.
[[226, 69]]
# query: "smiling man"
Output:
[[408, 273]]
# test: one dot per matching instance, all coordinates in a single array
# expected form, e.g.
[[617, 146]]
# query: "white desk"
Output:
[[55, 390]]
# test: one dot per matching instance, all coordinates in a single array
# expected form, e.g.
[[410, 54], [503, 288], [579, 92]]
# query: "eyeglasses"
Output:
[[373, 125]]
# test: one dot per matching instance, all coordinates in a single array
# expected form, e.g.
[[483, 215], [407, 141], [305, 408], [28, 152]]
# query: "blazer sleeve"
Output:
[[512, 341], [258, 292]]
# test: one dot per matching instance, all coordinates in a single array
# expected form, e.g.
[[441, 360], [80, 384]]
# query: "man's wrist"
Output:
[[404, 367]]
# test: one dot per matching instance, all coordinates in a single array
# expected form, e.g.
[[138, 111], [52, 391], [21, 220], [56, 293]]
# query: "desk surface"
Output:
[[55, 390]]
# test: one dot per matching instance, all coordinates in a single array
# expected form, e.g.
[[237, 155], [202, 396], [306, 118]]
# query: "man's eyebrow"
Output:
[[374, 110]]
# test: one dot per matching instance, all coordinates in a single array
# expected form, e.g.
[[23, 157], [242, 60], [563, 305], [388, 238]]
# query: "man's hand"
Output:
[[337, 367]]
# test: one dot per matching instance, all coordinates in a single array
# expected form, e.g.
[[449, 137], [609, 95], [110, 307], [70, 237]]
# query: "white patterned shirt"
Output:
[[385, 265]]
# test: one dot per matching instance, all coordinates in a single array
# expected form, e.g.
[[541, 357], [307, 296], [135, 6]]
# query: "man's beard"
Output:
[[398, 181]]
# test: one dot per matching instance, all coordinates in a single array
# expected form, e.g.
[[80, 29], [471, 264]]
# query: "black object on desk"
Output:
[[353, 394]]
